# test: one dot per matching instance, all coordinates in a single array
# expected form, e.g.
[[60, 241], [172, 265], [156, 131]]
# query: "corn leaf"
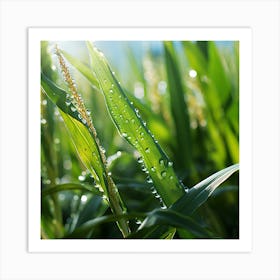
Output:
[[198, 194], [134, 130], [83, 141]]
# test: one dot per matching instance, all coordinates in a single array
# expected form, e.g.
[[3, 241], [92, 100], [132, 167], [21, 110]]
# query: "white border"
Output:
[[243, 35], [262, 16]]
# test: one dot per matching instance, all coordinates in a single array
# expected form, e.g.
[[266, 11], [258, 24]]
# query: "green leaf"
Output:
[[83, 141], [217, 73], [198, 194], [86, 147], [58, 96], [134, 130], [179, 108], [70, 187], [196, 58], [169, 217]]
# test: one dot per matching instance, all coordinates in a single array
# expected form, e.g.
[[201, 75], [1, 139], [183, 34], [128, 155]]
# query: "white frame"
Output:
[[243, 35], [262, 262]]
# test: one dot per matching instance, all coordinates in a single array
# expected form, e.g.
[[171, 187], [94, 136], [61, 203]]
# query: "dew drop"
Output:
[[43, 121], [154, 191], [161, 161], [111, 91], [133, 120], [44, 102], [126, 121], [141, 133], [81, 178], [153, 169], [73, 109], [149, 180], [163, 174], [124, 134], [67, 103], [140, 160], [84, 121], [170, 163], [109, 173], [171, 177]]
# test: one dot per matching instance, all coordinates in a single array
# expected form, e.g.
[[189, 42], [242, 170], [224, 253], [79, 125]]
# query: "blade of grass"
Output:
[[70, 186], [198, 194], [83, 230], [179, 108]]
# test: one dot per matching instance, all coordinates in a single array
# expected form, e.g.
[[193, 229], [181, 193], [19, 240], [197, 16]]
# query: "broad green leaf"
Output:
[[134, 130], [83, 141], [198, 194], [87, 148], [169, 217], [68, 187], [179, 108]]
